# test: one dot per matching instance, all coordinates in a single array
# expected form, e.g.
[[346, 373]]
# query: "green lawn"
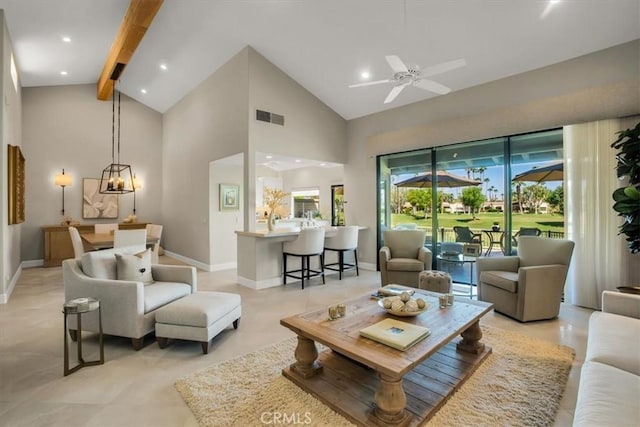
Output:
[[545, 222]]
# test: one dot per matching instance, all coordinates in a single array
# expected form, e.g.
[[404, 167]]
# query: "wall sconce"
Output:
[[136, 184], [63, 180]]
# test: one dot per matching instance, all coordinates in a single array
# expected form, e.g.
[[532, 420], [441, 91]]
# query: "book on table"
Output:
[[396, 334]]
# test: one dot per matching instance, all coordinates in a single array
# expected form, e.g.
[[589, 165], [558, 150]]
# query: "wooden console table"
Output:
[[57, 241]]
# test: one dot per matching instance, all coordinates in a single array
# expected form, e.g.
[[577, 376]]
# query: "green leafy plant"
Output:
[[627, 199]]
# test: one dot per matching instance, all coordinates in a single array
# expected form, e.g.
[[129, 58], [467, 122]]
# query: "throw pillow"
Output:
[[134, 267]]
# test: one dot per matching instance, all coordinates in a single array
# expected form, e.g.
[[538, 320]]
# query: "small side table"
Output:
[[80, 306]]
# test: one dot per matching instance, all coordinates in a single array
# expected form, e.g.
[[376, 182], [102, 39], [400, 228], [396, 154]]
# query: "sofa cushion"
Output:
[[405, 264], [136, 267], [199, 310], [613, 340], [162, 293], [607, 396], [102, 264], [506, 280]]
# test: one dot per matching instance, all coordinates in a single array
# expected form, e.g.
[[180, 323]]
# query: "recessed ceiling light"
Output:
[[143, 90], [323, 164], [66, 39], [298, 160], [269, 156], [365, 75], [63, 73], [163, 67]]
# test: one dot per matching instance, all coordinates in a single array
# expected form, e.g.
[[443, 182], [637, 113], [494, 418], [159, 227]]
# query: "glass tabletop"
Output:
[[456, 258]]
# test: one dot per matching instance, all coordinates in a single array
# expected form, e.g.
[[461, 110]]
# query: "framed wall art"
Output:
[[16, 186], [96, 205], [229, 197]]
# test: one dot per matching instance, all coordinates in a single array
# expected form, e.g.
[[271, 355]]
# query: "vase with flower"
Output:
[[273, 199]]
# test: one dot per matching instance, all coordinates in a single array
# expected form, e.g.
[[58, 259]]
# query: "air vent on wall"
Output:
[[265, 116]]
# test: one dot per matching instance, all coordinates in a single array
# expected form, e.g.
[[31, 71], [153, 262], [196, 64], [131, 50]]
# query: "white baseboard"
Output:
[[4, 297], [367, 266], [193, 262], [261, 284], [33, 263], [226, 266]]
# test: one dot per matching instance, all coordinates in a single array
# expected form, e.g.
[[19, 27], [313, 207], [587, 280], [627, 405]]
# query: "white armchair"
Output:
[[128, 307], [403, 257], [528, 286]]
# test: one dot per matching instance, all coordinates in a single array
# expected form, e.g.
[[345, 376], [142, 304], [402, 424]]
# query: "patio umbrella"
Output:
[[443, 178], [551, 172]]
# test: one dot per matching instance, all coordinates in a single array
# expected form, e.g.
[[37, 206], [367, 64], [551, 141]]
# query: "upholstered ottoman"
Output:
[[197, 317], [434, 280]]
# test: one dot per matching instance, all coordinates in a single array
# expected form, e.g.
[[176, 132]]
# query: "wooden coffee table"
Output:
[[371, 383]]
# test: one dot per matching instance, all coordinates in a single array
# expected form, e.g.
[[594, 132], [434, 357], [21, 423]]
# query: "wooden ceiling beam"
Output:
[[134, 25]]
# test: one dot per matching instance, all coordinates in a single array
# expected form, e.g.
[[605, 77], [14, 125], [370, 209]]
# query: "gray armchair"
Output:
[[528, 286], [128, 307], [403, 257]]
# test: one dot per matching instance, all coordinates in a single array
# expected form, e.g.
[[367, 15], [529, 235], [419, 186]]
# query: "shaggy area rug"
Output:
[[519, 384]]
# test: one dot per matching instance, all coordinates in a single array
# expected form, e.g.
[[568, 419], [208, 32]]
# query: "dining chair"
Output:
[[104, 228], [137, 238], [155, 231], [345, 240], [310, 242], [76, 241]]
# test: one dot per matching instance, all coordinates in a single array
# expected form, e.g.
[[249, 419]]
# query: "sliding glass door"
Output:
[[474, 197]]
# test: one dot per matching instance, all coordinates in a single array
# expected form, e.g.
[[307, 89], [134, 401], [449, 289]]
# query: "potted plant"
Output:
[[627, 198], [495, 226]]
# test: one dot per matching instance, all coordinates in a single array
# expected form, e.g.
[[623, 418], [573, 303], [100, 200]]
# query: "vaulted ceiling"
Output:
[[324, 45]]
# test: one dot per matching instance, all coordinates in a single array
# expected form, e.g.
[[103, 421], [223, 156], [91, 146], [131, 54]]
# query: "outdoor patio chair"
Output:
[[465, 235]]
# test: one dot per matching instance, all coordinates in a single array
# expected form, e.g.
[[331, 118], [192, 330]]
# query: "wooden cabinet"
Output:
[[57, 242]]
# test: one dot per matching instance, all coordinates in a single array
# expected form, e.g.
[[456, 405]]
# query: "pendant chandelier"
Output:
[[117, 178]]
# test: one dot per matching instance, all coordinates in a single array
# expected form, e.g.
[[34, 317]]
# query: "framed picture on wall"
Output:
[[229, 197], [16, 187], [96, 205]]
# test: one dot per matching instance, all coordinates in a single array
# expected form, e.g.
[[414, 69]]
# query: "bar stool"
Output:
[[346, 239], [310, 242]]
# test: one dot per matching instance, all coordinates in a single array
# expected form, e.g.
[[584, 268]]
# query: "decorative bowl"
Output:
[[403, 313]]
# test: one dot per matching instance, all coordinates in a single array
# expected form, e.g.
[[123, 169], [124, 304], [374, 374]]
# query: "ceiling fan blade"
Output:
[[395, 91], [432, 86], [396, 64], [370, 83], [441, 68]]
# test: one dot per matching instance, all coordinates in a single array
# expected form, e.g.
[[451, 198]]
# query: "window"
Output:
[[306, 203], [474, 187]]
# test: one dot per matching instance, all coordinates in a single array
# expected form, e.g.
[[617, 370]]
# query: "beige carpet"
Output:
[[520, 384]]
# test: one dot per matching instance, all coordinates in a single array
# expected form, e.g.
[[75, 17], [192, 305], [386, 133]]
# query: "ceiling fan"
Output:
[[404, 76]]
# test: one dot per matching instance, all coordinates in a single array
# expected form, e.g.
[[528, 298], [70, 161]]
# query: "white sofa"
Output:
[[128, 307], [609, 391]]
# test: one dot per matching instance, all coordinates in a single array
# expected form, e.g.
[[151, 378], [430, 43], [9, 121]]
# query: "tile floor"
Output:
[[136, 388]]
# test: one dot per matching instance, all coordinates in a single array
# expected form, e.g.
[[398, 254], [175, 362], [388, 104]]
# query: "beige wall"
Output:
[[601, 85], [11, 126], [67, 127], [217, 120], [311, 131], [223, 240], [208, 124]]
